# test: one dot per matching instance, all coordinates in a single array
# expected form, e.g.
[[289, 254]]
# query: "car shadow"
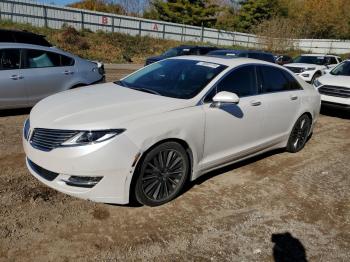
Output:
[[287, 248], [335, 112], [14, 112], [230, 167]]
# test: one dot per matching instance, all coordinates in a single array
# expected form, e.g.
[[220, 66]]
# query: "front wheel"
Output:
[[315, 77], [162, 174], [299, 134]]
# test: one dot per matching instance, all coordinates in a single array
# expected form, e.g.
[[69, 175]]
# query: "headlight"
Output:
[[26, 129], [317, 83], [310, 69], [92, 137]]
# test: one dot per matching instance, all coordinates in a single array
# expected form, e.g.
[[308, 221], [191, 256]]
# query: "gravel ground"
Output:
[[272, 206]]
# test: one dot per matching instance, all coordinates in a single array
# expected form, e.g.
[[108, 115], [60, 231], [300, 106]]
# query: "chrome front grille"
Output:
[[295, 69], [48, 139], [335, 91]]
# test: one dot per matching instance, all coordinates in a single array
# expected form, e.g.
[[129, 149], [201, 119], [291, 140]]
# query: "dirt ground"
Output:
[[276, 205]]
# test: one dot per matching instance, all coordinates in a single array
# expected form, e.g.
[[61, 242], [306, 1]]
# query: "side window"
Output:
[[67, 61], [40, 59], [254, 56], [293, 83], [9, 59], [273, 80], [241, 81], [333, 61], [340, 60]]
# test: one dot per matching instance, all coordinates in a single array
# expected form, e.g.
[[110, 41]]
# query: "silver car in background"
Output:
[[29, 73]]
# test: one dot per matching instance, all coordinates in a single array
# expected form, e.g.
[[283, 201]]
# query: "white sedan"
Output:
[[148, 134], [334, 87]]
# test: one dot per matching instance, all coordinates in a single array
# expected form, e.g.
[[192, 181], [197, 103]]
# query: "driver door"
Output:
[[233, 131]]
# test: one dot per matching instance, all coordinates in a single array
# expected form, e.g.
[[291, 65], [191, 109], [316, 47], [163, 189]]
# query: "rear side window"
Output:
[[293, 83], [67, 61], [241, 81], [40, 59], [273, 80], [9, 59]]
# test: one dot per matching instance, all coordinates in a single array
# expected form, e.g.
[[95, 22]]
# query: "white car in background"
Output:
[[150, 133], [311, 66], [335, 86]]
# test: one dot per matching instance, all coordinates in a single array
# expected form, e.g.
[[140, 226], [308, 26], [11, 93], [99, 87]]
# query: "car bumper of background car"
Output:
[[110, 161], [333, 101]]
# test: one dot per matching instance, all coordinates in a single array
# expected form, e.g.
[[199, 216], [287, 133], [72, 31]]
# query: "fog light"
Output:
[[83, 181]]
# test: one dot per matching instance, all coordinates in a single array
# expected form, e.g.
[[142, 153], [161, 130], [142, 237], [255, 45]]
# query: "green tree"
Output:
[[191, 12], [252, 12]]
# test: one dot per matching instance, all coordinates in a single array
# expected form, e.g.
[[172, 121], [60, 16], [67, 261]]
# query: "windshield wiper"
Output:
[[142, 89]]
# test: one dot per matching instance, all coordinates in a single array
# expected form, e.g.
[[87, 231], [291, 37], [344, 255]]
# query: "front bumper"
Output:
[[112, 160], [335, 101]]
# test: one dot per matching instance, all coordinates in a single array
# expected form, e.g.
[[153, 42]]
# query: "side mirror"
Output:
[[224, 97]]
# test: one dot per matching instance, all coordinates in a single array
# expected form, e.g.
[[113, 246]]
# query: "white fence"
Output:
[[26, 11]]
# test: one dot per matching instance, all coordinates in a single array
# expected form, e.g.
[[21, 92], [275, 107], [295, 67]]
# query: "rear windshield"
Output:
[[177, 78]]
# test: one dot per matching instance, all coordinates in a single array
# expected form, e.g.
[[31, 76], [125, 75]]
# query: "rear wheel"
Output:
[[299, 135], [162, 174]]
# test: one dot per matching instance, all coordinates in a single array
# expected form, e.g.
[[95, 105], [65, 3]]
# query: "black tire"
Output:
[[162, 174], [299, 134], [316, 75]]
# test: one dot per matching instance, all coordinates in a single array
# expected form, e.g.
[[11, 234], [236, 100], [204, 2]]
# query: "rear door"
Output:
[[44, 74], [12, 90], [281, 95]]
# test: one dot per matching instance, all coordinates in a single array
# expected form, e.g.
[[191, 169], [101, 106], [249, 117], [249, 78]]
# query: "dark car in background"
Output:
[[283, 59], [260, 55], [181, 50], [23, 37]]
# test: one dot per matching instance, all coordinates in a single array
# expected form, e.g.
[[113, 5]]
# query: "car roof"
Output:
[[318, 55], [231, 62], [20, 31], [194, 46], [233, 51], [30, 46]]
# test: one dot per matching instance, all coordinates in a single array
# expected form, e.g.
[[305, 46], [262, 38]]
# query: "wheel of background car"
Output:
[[316, 75], [162, 174], [299, 134]]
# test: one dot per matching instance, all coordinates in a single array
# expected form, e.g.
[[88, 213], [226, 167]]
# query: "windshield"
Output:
[[342, 70], [175, 52], [176, 78], [315, 60]]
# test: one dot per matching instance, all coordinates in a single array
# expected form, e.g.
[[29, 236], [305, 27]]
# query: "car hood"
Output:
[[102, 106], [302, 65], [332, 80]]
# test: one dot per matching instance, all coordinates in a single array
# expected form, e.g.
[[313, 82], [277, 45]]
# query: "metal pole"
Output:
[[12, 9], [140, 28], [45, 16], [217, 41], [82, 20], [112, 24], [164, 31], [202, 33], [182, 33]]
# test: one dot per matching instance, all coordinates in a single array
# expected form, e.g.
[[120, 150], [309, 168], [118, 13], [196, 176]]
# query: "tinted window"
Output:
[[243, 55], [342, 70], [331, 60], [9, 59], [293, 83], [254, 55], [40, 59], [67, 61], [6, 36], [241, 81], [273, 80], [178, 78]]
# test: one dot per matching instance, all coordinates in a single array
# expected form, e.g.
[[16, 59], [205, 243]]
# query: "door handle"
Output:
[[16, 77], [68, 72], [293, 97], [255, 103]]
